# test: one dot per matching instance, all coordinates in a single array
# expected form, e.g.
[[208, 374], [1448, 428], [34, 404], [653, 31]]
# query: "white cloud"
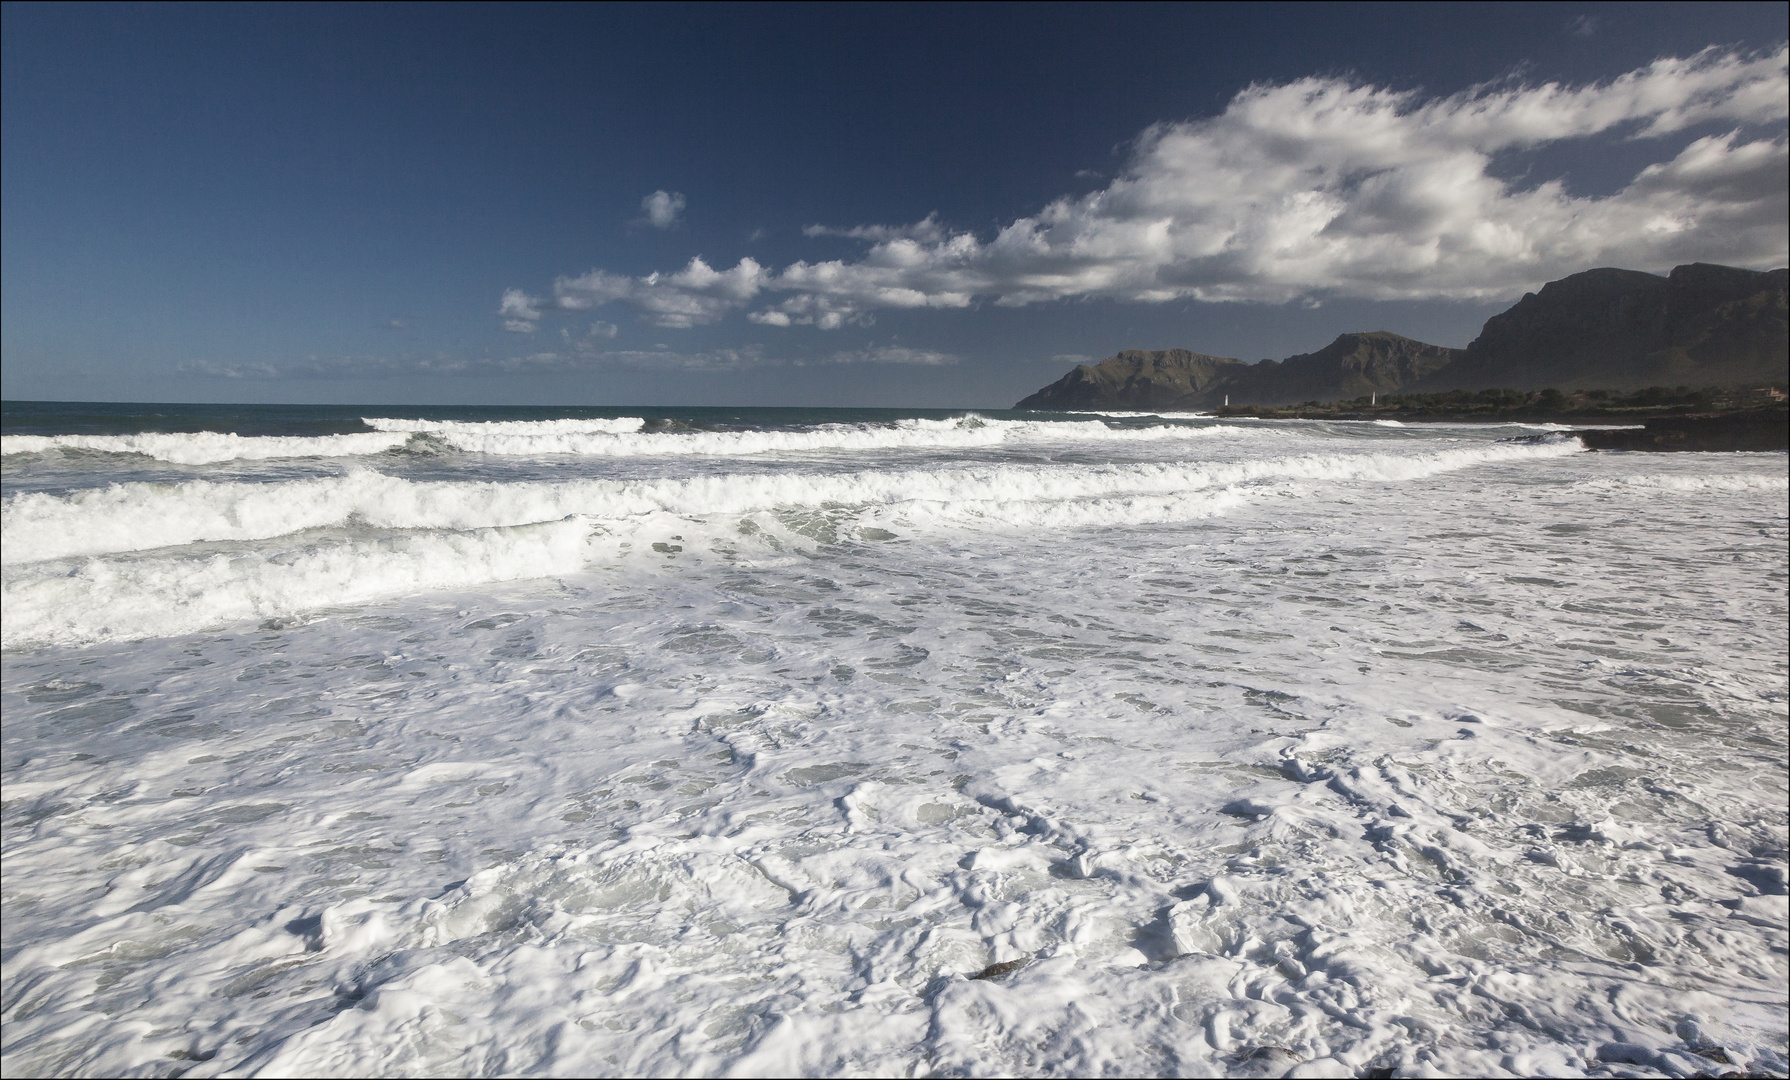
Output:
[[582, 354], [710, 360], [927, 231], [662, 208], [1320, 188], [521, 312], [696, 294], [211, 369], [352, 367], [578, 353], [586, 356], [891, 354]]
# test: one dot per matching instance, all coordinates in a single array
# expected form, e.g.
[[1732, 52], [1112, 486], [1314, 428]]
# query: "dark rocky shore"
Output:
[[1656, 418], [1716, 422], [1756, 430]]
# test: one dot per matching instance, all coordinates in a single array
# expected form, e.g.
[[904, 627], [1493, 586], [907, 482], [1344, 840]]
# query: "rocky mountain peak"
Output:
[[1606, 328]]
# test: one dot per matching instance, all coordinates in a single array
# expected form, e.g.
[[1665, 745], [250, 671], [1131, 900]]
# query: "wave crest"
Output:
[[209, 447], [621, 437], [74, 572]]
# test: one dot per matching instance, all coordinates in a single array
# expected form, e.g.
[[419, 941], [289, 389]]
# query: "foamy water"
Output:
[[632, 745], [619, 437]]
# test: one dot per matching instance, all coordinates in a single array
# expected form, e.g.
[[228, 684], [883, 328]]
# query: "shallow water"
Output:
[[697, 745]]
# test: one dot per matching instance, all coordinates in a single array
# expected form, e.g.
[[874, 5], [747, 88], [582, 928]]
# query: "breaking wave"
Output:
[[209, 447], [620, 425], [615, 438], [72, 575], [121, 599], [142, 516]]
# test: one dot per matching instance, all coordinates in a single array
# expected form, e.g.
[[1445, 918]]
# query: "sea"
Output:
[[407, 741]]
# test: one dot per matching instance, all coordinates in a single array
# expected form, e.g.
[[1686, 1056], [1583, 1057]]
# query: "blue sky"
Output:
[[905, 205]]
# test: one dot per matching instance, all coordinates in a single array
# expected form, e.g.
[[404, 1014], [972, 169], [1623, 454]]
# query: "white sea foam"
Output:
[[1336, 754], [111, 599], [470, 528], [620, 425], [1740, 483], [136, 517], [618, 438], [969, 432], [209, 447]]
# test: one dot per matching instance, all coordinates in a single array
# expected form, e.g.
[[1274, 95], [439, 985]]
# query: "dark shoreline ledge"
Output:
[[1757, 430]]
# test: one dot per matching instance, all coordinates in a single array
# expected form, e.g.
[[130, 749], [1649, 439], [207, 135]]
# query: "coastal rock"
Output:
[[1138, 379], [1171, 379], [1351, 366], [1763, 430], [1623, 330], [1607, 329]]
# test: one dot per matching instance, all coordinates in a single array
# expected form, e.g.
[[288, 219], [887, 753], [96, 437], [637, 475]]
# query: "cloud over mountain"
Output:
[[1317, 188]]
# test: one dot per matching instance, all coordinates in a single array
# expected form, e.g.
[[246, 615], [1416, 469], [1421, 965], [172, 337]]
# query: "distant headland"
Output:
[[1595, 339]]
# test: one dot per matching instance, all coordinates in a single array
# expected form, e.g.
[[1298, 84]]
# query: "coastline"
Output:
[[1764, 429]]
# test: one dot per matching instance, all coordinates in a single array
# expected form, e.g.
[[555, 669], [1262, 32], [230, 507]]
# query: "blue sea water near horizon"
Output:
[[624, 741]]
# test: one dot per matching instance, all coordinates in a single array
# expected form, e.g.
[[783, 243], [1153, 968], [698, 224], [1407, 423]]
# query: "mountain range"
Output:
[[1607, 329]]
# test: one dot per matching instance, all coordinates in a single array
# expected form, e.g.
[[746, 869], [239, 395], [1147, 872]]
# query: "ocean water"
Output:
[[700, 742]]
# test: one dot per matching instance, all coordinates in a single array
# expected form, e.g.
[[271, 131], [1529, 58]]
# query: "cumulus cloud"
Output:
[[1320, 188], [928, 231], [521, 313], [662, 208], [696, 294]]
